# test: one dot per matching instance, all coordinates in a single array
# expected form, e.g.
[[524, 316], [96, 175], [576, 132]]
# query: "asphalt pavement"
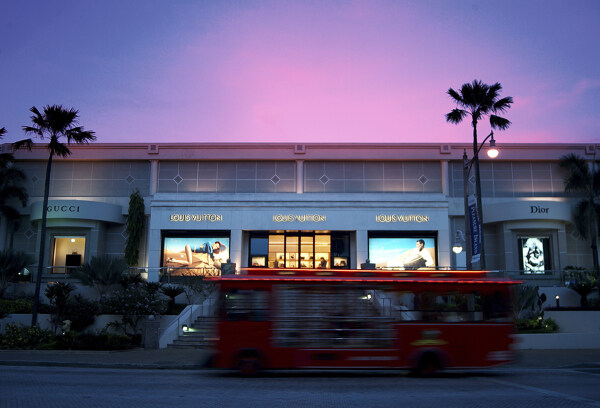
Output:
[[170, 358]]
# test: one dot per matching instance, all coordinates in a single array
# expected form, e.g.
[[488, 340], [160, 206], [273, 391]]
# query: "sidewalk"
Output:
[[136, 358], [198, 358]]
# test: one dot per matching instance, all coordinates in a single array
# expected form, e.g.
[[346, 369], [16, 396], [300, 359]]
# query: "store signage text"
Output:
[[63, 208], [299, 218], [195, 217], [535, 209], [401, 218]]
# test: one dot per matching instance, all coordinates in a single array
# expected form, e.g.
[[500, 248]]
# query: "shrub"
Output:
[[133, 304], [16, 306], [29, 338], [172, 292], [58, 294], [581, 281], [81, 312], [101, 272], [538, 325]]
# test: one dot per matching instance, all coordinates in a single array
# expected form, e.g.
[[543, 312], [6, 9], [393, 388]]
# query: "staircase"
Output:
[[201, 334]]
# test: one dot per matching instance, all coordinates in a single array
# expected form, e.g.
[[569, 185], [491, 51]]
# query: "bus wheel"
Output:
[[248, 364], [429, 365]]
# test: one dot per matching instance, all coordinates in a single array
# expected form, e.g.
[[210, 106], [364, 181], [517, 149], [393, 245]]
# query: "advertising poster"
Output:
[[402, 253], [195, 255], [535, 253]]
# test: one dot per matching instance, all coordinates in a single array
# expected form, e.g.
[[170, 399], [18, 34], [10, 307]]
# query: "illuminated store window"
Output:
[[68, 253], [534, 255], [191, 254], [294, 249], [403, 251]]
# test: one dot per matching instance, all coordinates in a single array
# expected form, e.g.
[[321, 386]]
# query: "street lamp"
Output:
[[457, 248], [467, 164]]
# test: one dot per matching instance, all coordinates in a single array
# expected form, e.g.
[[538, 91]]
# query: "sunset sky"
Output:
[[300, 71]]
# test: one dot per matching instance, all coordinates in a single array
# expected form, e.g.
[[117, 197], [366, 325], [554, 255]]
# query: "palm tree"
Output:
[[582, 179], [11, 190], [101, 272], [53, 124], [478, 100]]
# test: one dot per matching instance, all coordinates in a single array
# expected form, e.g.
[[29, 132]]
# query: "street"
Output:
[[48, 387]]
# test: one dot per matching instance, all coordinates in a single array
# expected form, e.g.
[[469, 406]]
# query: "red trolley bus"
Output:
[[320, 318]]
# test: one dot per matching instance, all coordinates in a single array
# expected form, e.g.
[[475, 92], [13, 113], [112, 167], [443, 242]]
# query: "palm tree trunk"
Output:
[[38, 278], [478, 190]]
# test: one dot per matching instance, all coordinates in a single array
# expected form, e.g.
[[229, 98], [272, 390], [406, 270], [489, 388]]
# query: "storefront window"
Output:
[[68, 253], [403, 252], [535, 256], [195, 255], [293, 249]]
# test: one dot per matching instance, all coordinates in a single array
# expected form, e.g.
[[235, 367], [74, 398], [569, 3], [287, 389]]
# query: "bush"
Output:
[[537, 325], [16, 306], [81, 312], [20, 337], [133, 304], [581, 281]]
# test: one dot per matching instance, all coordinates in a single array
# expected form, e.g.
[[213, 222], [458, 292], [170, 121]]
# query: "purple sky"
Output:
[[300, 71]]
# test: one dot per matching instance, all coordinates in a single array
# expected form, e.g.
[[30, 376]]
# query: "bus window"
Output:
[[328, 317], [495, 307], [251, 305]]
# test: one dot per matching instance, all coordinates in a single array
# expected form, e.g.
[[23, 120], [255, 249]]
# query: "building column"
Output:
[[153, 252], [235, 250], [153, 176], [445, 177], [362, 246], [299, 176]]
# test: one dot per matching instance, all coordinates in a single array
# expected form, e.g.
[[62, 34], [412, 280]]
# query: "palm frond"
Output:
[[503, 104], [456, 116], [498, 122], [79, 135], [57, 148], [455, 95], [579, 178], [25, 143]]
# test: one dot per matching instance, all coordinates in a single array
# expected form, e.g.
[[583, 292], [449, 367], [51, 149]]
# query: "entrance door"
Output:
[[293, 249]]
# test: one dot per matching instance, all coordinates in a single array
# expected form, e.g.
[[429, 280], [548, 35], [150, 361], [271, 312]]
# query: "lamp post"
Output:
[[467, 164]]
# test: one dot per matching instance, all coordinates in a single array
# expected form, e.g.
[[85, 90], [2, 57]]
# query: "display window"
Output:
[[410, 251], [68, 253], [293, 249], [535, 256], [191, 255]]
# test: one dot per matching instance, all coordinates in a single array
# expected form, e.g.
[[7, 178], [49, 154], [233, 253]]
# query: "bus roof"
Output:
[[367, 275]]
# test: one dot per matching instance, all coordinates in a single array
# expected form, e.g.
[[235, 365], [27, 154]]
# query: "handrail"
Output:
[[187, 316], [172, 331]]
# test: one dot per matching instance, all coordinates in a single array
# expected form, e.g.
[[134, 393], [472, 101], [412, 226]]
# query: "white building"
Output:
[[302, 205]]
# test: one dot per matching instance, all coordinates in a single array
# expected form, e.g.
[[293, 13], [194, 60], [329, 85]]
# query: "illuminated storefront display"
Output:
[[68, 252], [535, 255], [195, 255], [402, 252]]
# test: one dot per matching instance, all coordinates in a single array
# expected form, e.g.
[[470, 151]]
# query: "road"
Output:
[[49, 387]]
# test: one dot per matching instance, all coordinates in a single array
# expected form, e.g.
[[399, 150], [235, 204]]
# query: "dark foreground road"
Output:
[[49, 387]]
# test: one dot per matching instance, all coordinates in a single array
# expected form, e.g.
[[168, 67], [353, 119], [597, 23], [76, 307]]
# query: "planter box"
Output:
[[575, 321], [557, 341]]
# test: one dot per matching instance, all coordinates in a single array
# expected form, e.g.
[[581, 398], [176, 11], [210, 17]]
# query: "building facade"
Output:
[[400, 206]]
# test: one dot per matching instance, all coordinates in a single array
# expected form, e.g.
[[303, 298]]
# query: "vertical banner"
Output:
[[475, 224]]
